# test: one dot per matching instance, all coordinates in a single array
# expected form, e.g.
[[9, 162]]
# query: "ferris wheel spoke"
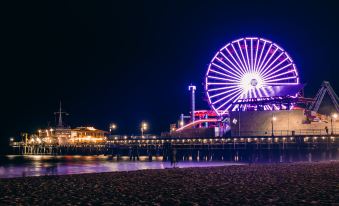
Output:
[[261, 52], [263, 70], [226, 96], [234, 67], [237, 68], [278, 75], [252, 68], [225, 70], [248, 59], [242, 67], [263, 60], [278, 70], [242, 55], [222, 88], [269, 59], [219, 83], [223, 74], [221, 78], [225, 92], [256, 56], [270, 72]]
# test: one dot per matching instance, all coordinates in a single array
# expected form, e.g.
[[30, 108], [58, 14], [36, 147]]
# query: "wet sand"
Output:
[[300, 183]]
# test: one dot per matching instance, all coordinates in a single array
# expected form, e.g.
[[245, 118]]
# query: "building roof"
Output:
[[90, 129]]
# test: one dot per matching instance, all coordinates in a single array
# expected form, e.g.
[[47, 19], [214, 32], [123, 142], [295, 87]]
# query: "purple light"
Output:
[[262, 50], [247, 68], [242, 54], [242, 67], [256, 55], [248, 59]]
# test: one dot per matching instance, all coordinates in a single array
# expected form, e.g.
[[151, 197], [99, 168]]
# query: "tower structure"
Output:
[[60, 113], [192, 88]]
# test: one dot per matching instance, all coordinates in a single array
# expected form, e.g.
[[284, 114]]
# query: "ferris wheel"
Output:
[[247, 68]]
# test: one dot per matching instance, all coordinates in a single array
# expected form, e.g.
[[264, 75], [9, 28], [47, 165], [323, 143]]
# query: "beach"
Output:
[[264, 184]]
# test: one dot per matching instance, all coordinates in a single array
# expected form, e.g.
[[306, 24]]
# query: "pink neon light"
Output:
[[195, 123]]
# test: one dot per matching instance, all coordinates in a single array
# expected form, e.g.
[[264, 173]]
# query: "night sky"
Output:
[[128, 62]]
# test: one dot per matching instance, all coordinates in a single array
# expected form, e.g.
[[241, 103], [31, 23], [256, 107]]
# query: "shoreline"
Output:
[[287, 183]]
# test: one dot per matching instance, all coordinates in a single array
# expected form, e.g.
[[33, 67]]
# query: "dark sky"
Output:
[[132, 61]]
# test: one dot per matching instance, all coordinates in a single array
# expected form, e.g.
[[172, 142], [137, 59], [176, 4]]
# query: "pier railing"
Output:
[[301, 132]]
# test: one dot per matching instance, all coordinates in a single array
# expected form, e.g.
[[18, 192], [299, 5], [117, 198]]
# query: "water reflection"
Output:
[[38, 165]]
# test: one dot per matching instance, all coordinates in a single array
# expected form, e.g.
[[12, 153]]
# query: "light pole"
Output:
[[272, 122], [181, 123], [112, 127], [144, 127], [335, 116]]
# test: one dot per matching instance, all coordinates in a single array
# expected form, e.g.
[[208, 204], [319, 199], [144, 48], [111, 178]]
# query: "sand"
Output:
[[277, 184]]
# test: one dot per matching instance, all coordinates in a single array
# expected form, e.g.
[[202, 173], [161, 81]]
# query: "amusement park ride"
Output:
[[250, 74]]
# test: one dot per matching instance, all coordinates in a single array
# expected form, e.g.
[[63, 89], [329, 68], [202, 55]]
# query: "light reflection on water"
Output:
[[38, 165]]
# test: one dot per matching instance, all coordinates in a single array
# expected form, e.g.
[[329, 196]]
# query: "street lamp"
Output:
[[272, 122], [335, 116], [144, 127], [181, 123], [112, 127]]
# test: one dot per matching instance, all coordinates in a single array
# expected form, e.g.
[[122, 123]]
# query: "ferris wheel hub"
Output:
[[254, 82], [251, 81]]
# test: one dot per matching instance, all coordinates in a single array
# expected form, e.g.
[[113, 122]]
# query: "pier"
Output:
[[312, 147]]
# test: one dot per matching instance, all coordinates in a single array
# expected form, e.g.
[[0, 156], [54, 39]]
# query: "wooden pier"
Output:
[[242, 149]]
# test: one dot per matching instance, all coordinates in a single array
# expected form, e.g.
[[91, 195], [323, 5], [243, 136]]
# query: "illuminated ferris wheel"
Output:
[[247, 68]]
